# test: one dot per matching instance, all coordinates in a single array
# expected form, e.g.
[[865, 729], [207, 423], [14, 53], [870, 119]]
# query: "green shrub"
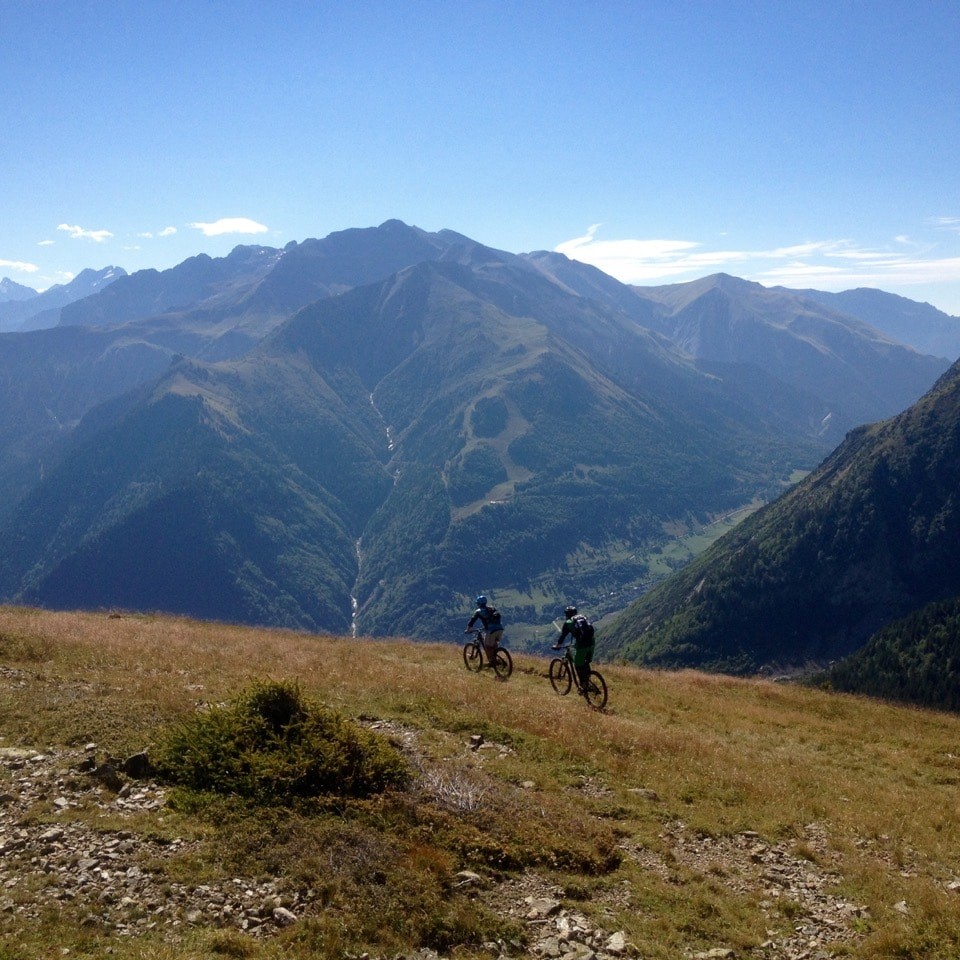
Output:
[[272, 745], [24, 647]]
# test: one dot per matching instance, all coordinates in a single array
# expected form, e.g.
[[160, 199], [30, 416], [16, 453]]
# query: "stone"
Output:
[[616, 943], [109, 776], [645, 793], [284, 917], [541, 908], [137, 766], [579, 951], [550, 947]]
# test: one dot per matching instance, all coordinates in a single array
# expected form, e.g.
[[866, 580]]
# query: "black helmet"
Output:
[[481, 601], [570, 611]]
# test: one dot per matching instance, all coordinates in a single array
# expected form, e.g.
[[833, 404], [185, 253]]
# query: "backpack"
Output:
[[493, 618], [583, 630]]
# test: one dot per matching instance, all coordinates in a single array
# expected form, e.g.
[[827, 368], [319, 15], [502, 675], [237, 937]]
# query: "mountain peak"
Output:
[[728, 284], [11, 290], [42, 310], [394, 224]]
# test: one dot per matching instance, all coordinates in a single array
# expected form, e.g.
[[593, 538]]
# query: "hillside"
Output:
[[862, 374], [219, 307], [130, 332], [923, 326], [913, 660], [835, 361], [49, 379], [25, 309], [867, 538], [700, 816]]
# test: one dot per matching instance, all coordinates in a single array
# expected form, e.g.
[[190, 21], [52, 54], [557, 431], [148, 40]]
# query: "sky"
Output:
[[804, 143]]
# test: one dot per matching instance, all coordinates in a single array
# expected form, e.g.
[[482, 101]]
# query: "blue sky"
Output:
[[795, 142]]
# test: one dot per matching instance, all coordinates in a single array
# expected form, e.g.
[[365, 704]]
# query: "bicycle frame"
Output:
[[564, 675], [572, 667], [473, 655]]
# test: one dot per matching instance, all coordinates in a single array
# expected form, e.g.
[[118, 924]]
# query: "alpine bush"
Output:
[[273, 745]]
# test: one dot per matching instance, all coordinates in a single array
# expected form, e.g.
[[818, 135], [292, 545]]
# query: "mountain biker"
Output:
[[492, 627], [580, 628]]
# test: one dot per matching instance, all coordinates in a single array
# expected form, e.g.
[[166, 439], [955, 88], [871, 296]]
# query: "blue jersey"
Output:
[[488, 616]]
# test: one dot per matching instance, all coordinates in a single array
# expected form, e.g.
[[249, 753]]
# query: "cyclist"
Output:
[[492, 627], [582, 631]]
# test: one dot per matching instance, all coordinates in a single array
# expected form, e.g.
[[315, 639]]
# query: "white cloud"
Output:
[[165, 232], [230, 225], [834, 264], [628, 260], [78, 233], [19, 266], [46, 243]]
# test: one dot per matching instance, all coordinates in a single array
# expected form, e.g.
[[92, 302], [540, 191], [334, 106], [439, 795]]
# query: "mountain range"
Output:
[[360, 432]]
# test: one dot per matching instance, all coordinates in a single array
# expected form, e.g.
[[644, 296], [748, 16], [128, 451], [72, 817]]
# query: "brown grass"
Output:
[[718, 755]]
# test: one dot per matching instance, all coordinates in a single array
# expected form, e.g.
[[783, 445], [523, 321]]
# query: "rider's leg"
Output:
[[491, 642]]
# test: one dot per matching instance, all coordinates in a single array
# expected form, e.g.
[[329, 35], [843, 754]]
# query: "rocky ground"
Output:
[[115, 879]]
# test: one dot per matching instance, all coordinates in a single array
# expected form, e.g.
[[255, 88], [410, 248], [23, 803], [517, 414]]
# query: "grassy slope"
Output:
[[716, 755]]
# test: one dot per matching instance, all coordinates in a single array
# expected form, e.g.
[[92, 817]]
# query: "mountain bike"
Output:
[[473, 656], [563, 676]]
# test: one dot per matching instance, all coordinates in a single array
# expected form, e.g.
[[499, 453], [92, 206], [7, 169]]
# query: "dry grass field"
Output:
[[699, 815]]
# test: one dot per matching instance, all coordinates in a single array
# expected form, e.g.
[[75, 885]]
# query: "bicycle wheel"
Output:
[[560, 678], [473, 656], [503, 663], [596, 692]]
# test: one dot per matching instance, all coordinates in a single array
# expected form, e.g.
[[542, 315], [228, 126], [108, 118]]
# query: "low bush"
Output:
[[273, 745]]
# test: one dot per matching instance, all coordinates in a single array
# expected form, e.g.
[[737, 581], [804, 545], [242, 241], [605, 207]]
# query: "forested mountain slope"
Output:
[[916, 660], [867, 538]]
